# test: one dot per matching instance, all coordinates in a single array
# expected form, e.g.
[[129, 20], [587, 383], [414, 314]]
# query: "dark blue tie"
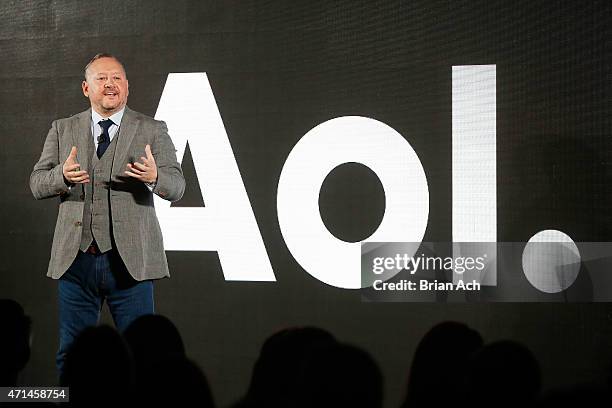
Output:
[[104, 138]]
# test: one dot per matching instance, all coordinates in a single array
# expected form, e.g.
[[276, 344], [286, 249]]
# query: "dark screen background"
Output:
[[278, 69]]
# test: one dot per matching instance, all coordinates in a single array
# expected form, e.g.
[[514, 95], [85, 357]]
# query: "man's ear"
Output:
[[85, 87]]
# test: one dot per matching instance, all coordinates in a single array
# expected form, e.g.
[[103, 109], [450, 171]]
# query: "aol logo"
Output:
[[227, 224]]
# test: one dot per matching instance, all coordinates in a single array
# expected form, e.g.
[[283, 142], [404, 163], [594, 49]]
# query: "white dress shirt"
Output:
[[96, 129]]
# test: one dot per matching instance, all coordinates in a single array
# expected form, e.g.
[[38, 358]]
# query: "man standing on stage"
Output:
[[105, 164]]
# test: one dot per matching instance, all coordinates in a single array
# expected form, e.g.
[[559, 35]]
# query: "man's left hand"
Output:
[[145, 171]]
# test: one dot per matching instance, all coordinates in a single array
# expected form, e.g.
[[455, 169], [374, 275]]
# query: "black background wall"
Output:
[[278, 69]]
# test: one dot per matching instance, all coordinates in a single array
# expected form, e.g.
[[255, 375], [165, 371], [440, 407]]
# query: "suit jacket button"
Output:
[[78, 224]]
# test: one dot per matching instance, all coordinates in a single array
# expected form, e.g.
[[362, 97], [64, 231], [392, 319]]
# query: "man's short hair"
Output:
[[102, 55]]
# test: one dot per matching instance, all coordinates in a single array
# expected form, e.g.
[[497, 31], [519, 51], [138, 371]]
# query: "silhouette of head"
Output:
[[98, 366], [503, 374], [279, 364], [174, 381], [340, 375], [153, 337], [164, 374], [440, 363], [14, 341]]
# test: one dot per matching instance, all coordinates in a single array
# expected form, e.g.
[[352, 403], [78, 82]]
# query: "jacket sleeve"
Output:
[[47, 178], [170, 181]]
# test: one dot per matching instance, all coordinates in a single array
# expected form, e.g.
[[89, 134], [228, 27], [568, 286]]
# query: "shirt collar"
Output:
[[115, 117]]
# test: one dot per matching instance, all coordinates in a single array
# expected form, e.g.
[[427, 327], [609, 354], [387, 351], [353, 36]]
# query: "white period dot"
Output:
[[551, 261]]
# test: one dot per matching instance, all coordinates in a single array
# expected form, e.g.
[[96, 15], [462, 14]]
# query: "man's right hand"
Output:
[[72, 174]]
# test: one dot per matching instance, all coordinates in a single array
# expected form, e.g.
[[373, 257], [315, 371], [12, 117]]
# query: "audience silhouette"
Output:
[[299, 367], [14, 341], [153, 338], [503, 374], [340, 375], [437, 374], [174, 380], [98, 367], [282, 358], [163, 372]]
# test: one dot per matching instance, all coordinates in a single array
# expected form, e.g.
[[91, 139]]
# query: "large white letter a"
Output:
[[227, 223]]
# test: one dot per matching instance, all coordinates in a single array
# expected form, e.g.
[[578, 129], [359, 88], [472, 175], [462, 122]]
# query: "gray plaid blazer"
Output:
[[136, 231]]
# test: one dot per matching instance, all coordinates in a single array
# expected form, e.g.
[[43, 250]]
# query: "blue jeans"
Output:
[[90, 280]]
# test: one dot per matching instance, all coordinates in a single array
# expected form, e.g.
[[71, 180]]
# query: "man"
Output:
[[105, 164]]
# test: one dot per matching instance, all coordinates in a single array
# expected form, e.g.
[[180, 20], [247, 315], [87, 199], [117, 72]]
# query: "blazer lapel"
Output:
[[127, 131], [83, 139]]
